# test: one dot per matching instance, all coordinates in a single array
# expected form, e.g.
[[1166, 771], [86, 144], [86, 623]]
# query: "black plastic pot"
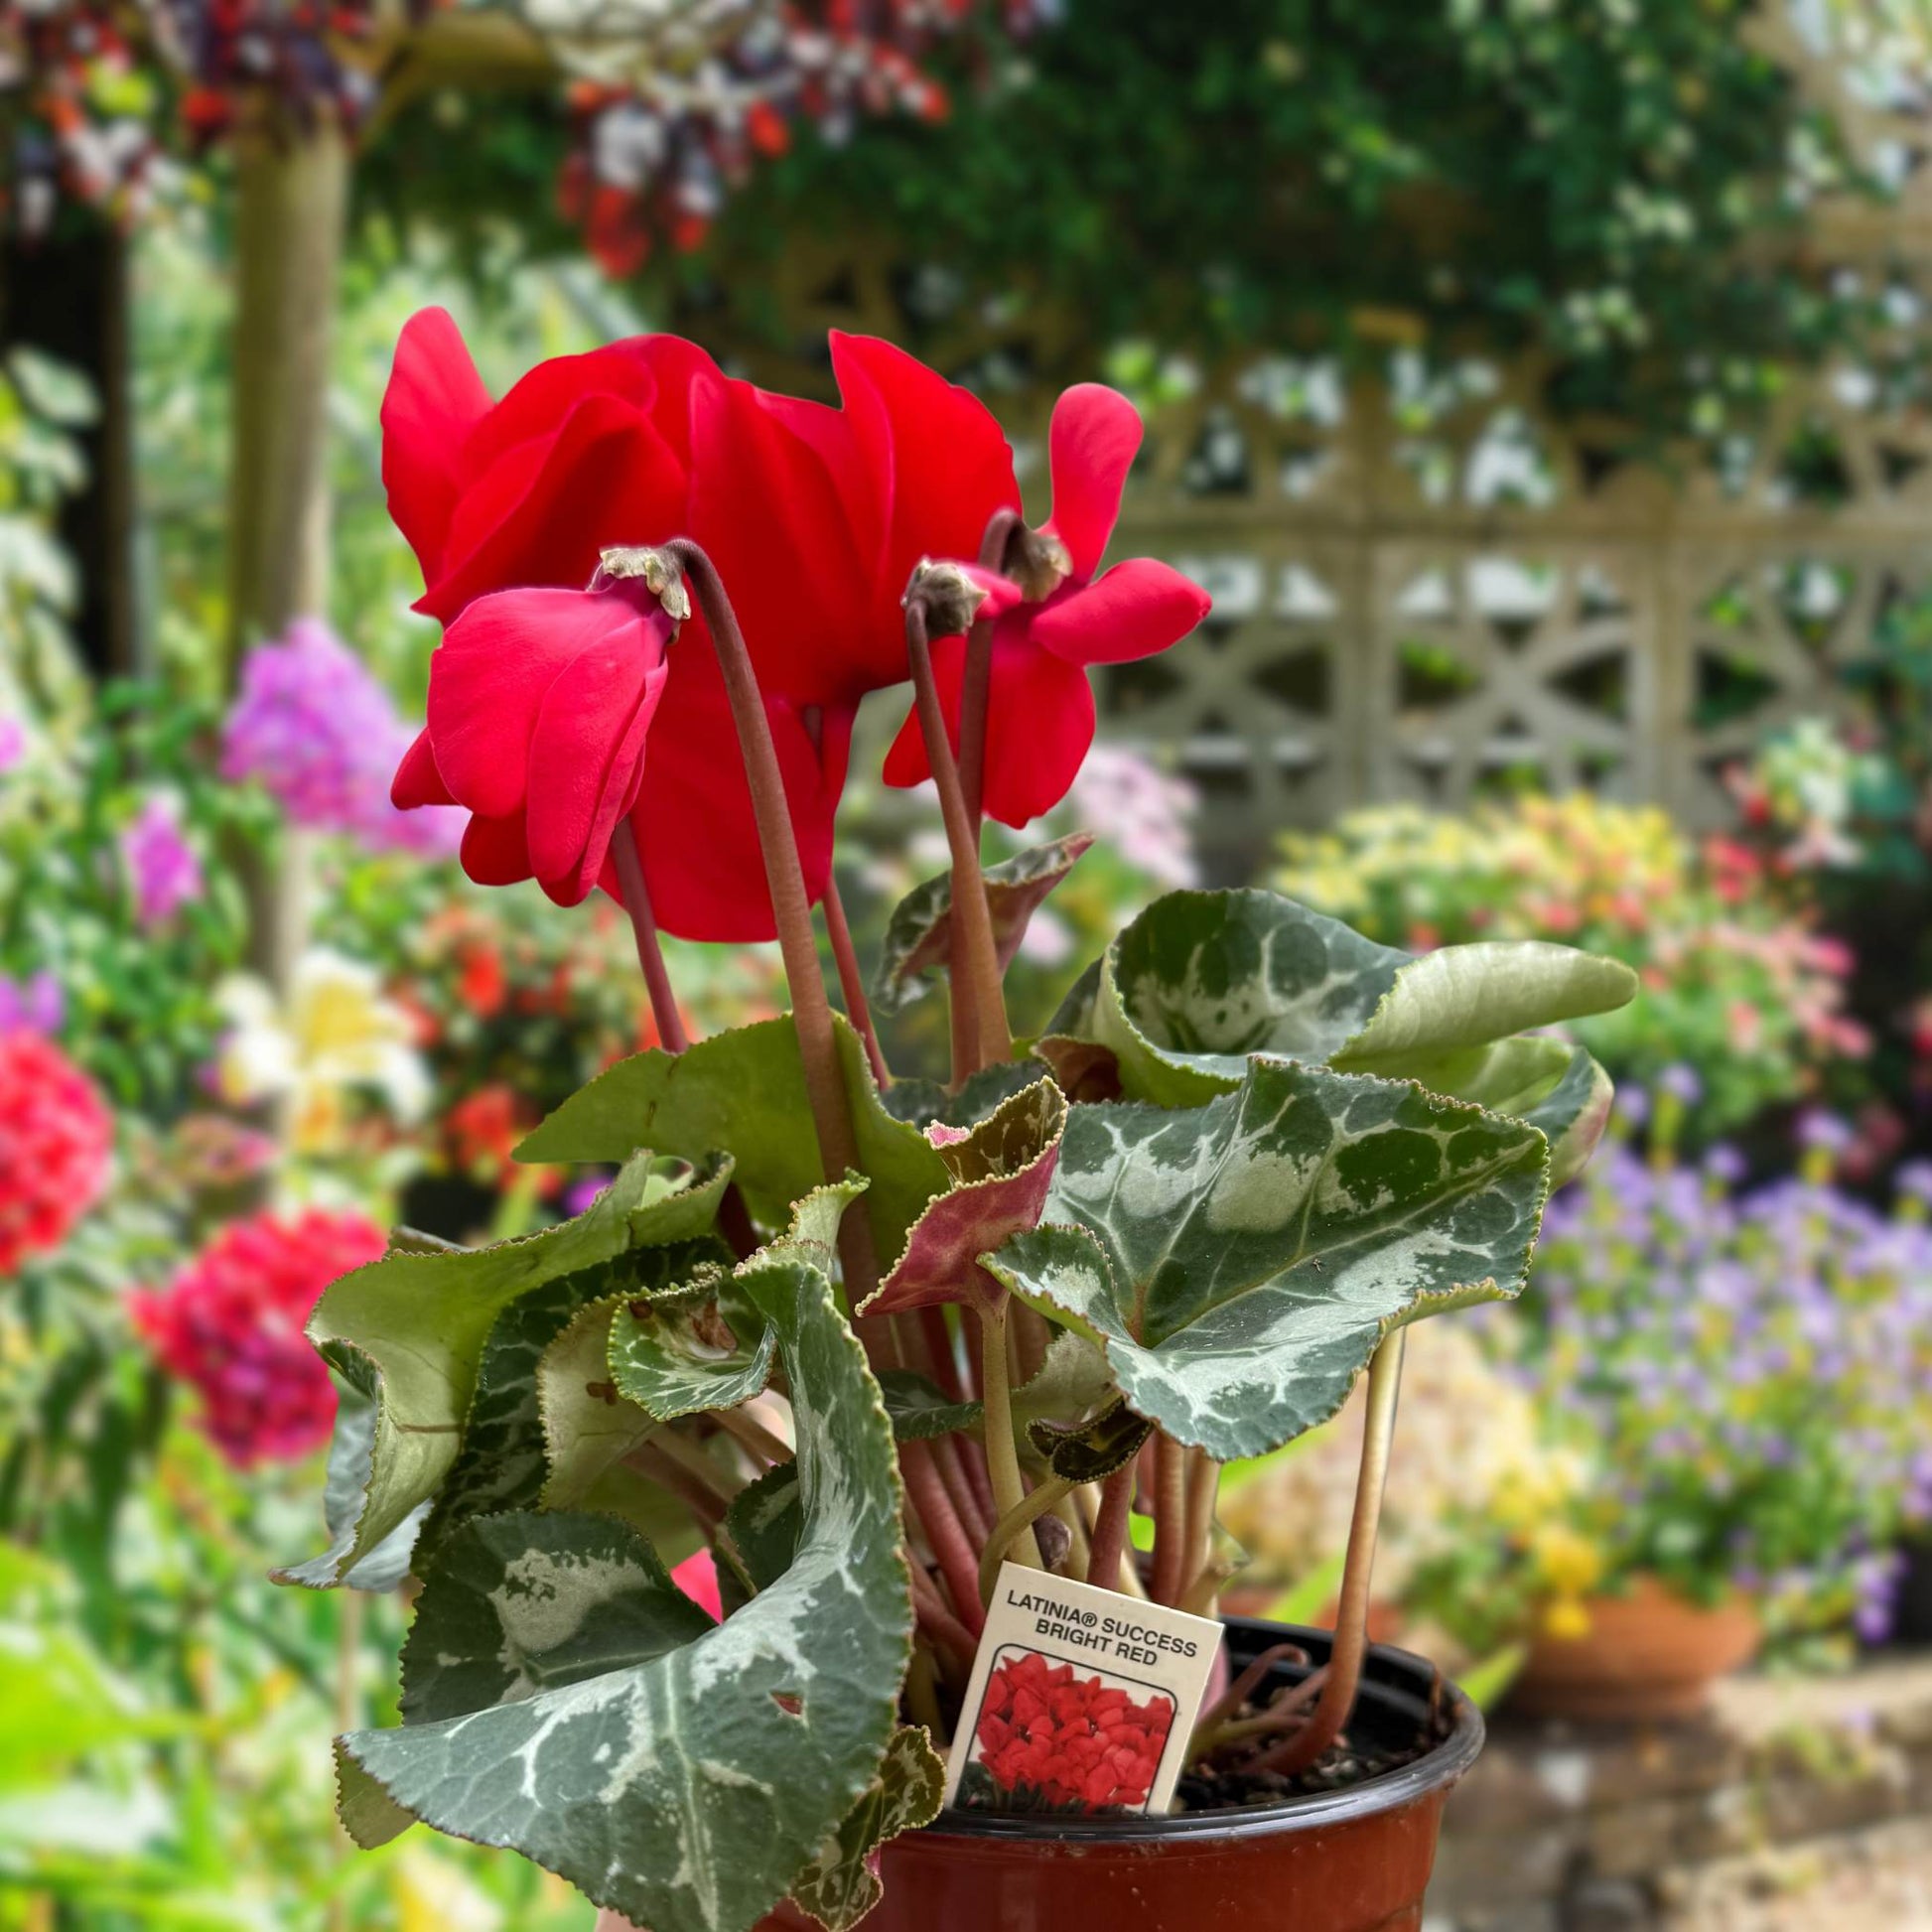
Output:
[[1352, 1860]]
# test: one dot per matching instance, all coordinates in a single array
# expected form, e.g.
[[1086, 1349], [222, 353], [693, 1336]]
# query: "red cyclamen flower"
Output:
[[231, 1322], [1040, 711], [1055, 1741], [55, 1140]]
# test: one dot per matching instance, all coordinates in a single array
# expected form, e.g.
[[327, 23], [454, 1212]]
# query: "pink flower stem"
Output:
[[952, 1472], [1170, 1519], [791, 913], [940, 1345], [1110, 1529], [852, 981], [651, 956], [975, 959], [938, 1622], [944, 1533], [1344, 1671], [976, 690]]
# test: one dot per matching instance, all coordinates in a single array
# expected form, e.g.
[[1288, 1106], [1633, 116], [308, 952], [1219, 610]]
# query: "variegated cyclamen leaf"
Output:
[[1461, 997], [1001, 1172], [352, 1451], [926, 1102], [420, 1322], [707, 1347], [918, 935], [841, 1885], [1548, 1083], [1072, 1385], [1090, 1452], [688, 1792], [522, 1602], [502, 1464], [761, 1529], [921, 1410], [745, 1090], [1239, 1262]]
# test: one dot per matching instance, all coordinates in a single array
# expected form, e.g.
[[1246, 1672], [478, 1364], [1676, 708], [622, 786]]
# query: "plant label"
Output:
[[1081, 1701]]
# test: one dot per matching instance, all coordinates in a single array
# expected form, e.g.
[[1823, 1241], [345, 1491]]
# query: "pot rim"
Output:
[[1437, 1769]]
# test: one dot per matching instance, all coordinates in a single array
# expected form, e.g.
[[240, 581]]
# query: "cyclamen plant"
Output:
[[860, 1338]]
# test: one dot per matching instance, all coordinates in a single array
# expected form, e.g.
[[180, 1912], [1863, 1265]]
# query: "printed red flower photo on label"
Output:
[[1051, 1739]]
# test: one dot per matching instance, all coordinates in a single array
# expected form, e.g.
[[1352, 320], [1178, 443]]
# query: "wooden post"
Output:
[[291, 207]]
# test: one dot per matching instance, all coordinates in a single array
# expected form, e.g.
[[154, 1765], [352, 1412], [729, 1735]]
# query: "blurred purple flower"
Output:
[[1824, 1131], [160, 863], [583, 1193], [33, 1005], [319, 733], [1726, 1165], [1913, 1180], [13, 743], [1681, 1082]]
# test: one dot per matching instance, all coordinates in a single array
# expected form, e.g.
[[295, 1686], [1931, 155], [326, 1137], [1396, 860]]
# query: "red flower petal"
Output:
[[544, 509], [417, 780], [587, 753], [495, 852], [1091, 446], [1040, 724], [1138, 607], [434, 401], [693, 817]]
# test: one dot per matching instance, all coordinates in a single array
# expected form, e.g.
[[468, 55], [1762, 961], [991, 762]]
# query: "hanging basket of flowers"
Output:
[[851, 1348]]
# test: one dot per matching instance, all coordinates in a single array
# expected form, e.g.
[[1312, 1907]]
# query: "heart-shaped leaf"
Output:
[[1001, 1170], [920, 1409], [1239, 1262], [352, 1453], [745, 1090], [420, 1321], [918, 936], [521, 1603], [689, 1791], [841, 1885]]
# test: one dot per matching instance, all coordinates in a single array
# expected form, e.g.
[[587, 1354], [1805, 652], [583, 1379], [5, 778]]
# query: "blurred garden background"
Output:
[[1540, 386]]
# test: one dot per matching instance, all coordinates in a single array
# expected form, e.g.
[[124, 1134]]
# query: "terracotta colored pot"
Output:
[[1648, 1654], [1353, 1860]]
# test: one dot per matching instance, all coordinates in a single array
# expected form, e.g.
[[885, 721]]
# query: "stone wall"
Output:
[[1800, 1803]]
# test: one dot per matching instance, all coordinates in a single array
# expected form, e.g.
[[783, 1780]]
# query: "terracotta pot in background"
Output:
[[1353, 1860], [1648, 1654]]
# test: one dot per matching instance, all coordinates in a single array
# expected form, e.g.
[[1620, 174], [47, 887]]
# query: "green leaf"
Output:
[[1239, 1262], [838, 1886], [588, 1426], [708, 1346], [1090, 1452], [521, 1603], [918, 937], [920, 1409], [420, 1322], [762, 1526], [1001, 1170], [502, 1463], [1073, 1384], [924, 1102], [689, 1792], [745, 1090]]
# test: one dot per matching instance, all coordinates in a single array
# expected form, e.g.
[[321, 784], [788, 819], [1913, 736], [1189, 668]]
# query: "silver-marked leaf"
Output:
[[589, 1427], [688, 1792], [920, 1409], [1461, 997], [502, 1463], [918, 936], [925, 1103], [521, 1603], [745, 1090], [1073, 1383], [1201, 980], [1001, 1172], [369, 1815], [762, 1528], [1090, 1452], [1239, 1262], [706, 1348], [420, 1321], [351, 1457], [841, 1884]]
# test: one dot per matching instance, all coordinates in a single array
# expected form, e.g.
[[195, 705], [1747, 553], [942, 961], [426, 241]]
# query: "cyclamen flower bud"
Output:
[[954, 595], [1038, 561], [638, 563]]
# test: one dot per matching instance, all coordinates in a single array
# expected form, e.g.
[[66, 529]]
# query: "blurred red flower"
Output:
[[1055, 1741], [1040, 711], [230, 1322], [55, 1140]]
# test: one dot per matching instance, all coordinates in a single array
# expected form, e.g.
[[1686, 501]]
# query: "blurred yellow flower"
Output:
[[1567, 1561], [336, 1034], [1566, 1617]]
